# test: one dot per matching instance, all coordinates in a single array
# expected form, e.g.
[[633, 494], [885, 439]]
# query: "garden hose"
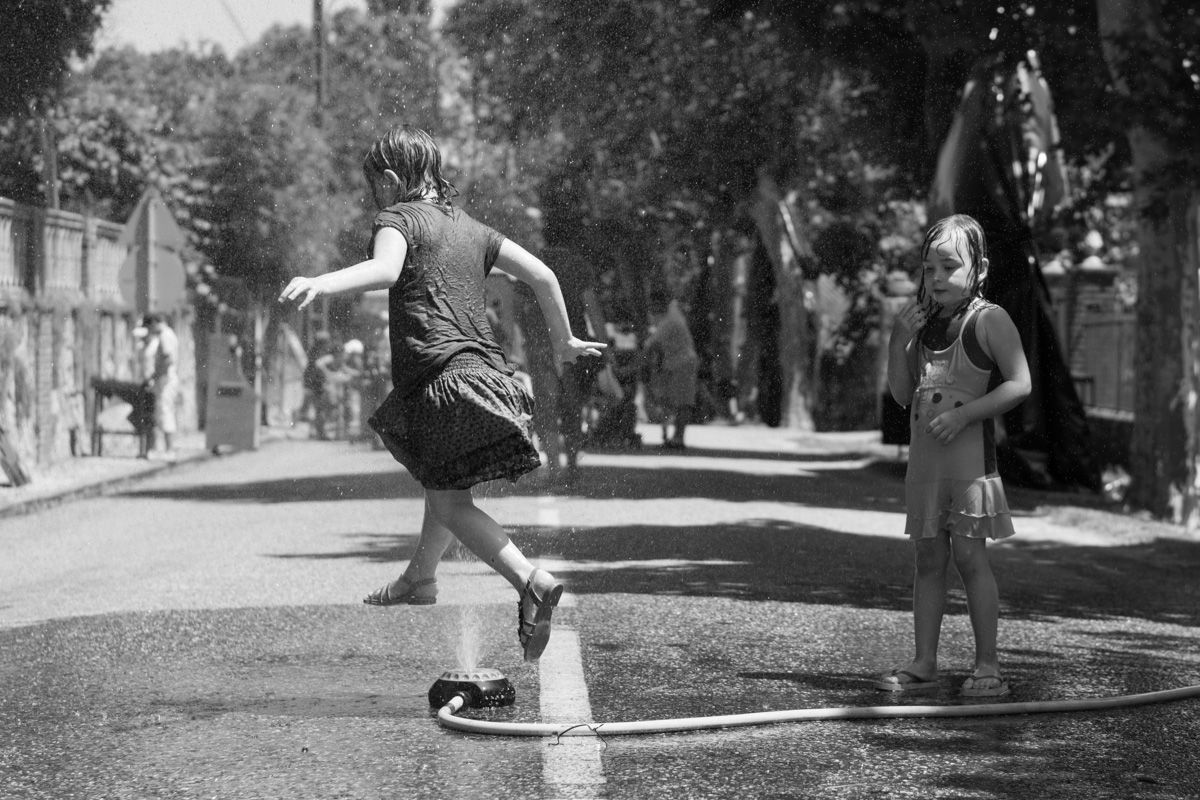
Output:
[[447, 715]]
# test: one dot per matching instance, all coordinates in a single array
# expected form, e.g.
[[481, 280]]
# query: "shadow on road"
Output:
[[762, 559], [765, 558], [810, 485]]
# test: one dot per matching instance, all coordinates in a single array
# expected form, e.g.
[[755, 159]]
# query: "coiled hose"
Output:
[[447, 715]]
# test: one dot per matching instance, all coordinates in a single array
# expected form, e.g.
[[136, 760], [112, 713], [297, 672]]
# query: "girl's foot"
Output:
[[537, 603], [988, 684], [404, 592], [905, 680]]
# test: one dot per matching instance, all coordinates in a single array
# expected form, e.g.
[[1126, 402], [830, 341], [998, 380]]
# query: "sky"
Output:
[[151, 25]]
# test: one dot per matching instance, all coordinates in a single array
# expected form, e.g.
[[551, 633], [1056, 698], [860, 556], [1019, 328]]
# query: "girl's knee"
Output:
[[970, 557], [932, 556]]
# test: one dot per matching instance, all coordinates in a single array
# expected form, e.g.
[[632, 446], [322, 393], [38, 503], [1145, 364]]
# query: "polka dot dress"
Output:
[[953, 487]]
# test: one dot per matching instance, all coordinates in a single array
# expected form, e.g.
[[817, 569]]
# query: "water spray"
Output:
[[456, 690]]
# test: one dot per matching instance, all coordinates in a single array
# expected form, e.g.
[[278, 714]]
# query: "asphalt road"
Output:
[[201, 635]]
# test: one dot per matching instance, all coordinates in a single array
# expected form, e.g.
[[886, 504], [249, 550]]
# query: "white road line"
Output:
[[571, 766], [547, 512]]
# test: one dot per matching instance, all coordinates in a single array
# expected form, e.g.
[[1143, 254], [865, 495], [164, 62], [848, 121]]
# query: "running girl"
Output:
[[455, 416]]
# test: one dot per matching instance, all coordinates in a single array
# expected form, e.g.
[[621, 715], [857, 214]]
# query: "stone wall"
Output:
[[63, 321]]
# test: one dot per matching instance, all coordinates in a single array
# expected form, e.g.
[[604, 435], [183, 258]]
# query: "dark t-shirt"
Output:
[[436, 308]]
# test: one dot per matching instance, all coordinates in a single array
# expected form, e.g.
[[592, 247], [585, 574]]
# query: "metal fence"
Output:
[[1101, 355]]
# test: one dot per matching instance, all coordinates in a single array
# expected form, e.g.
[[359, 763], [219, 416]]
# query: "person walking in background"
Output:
[[544, 379], [317, 406], [671, 365], [164, 380], [142, 413], [353, 366], [456, 416], [944, 348]]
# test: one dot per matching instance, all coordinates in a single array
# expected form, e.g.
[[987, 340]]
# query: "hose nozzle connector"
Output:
[[480, 688]]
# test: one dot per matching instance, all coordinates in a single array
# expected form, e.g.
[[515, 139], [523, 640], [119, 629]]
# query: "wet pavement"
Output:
[[199, 633]]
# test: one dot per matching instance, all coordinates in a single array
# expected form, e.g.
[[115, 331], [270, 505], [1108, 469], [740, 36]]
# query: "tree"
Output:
[[659, 126], [112, 137], [1153, 49], [381, 70], [38, 40], [1147, 119], [268, 171]]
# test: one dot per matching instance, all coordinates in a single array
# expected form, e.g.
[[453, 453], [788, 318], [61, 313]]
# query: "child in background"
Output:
[[944, 348], [455, 416]]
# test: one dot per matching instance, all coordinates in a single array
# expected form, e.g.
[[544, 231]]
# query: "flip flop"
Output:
[[999, 690], [901, 680]]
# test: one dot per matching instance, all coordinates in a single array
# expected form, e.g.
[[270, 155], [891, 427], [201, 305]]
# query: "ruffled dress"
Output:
[[469, 424], [456, 415], [953, 487]]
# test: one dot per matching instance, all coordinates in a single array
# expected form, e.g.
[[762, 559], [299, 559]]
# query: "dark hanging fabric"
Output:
[[999, 163]]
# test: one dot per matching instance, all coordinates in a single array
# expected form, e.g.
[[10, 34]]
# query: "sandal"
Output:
[[535, 634], [413, 595], [901, 680]]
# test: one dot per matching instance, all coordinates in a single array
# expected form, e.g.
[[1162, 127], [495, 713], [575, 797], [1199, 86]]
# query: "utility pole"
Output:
[[318, 316], [319, 47]]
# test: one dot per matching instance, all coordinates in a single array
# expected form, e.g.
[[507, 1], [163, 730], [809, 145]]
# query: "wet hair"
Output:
[[415, 158], [959, 228]]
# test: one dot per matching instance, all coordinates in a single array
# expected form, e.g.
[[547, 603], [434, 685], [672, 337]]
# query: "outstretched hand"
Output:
[[301, 287], [573, 349]]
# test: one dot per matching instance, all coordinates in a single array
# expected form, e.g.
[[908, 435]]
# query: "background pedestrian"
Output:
[[671, 364]]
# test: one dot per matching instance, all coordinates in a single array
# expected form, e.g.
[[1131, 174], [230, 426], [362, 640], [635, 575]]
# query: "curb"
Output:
[[103, 486]]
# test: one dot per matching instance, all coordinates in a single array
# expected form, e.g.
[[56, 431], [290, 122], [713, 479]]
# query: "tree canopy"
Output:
[[38, 40]]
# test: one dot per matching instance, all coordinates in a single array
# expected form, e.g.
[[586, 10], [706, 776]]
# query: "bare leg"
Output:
[[538, 590], [929, 601], [983, 605], [416, 584], [435, 539], [683, 416], [455, 510]]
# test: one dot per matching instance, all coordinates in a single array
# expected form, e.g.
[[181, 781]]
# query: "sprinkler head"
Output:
[[481, 688]]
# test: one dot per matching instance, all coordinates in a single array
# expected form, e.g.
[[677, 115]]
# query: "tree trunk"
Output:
[[785, 247], [1190, 396], [1165, 446]]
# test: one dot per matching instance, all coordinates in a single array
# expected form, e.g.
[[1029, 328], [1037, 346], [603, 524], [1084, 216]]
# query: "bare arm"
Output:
[[528, 268], [999, 338], [379, 271], [902, 352]]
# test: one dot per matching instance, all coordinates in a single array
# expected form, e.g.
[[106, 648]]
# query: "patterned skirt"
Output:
[[468, 424]]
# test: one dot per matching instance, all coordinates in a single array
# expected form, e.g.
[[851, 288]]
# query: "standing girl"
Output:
[[455, 416], [944, 349]]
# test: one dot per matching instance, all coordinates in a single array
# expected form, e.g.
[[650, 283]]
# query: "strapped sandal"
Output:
[[535, 634], [413, 595]]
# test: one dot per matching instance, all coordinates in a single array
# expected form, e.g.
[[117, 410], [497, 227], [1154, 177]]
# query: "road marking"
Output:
[[571, 765], [547, 513]]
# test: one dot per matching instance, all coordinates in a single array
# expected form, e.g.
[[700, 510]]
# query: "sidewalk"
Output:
[[89, 476]]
